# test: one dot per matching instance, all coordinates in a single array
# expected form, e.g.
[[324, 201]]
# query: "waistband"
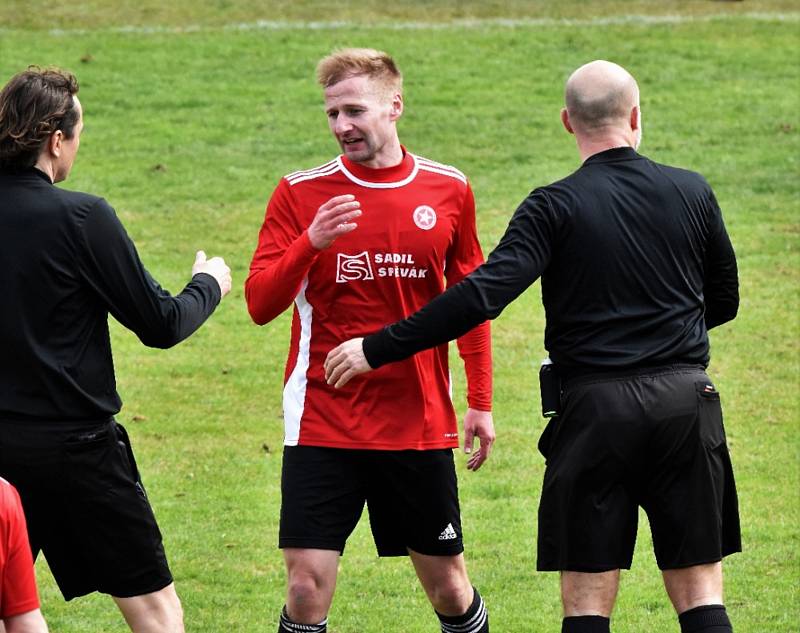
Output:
[[572, 379], [48, 426]]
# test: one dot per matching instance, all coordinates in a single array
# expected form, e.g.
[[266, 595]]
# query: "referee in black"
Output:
[[66, 263], [636, 267]]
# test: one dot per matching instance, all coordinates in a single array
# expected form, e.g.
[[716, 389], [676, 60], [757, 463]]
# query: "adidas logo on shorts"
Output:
[[448, 533]]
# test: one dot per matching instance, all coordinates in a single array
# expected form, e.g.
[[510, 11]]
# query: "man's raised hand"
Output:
[[333, 219]]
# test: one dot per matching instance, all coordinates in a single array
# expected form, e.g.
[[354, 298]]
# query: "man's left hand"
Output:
[[345, 362], [478, 423]]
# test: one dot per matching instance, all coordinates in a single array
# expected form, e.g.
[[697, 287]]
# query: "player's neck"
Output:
[[47, 167], [390, 155]]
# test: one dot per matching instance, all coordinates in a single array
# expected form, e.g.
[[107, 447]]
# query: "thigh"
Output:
[[589, 593], [413, 503], [691, 498], [322, 497], [157, 611]]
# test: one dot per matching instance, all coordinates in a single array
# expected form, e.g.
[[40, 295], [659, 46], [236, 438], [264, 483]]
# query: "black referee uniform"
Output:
[[636, 267], [65, 264]]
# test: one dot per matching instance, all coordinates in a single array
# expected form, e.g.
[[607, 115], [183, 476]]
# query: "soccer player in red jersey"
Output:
[[19, 601], [363, 240]]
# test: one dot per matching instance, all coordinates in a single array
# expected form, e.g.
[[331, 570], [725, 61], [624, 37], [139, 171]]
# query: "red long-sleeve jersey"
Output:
[[17, 580], [417, 229]]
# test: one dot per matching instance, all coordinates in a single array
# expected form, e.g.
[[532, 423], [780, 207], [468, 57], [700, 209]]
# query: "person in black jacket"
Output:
[[66, 263], [636, 267]]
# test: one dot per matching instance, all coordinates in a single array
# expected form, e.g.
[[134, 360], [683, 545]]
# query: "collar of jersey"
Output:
[[613, 154], [27, 173], [385, 178]]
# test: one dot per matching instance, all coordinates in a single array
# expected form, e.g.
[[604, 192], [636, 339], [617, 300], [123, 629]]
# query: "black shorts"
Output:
[[411, 496], [86, 508], [652, 438]]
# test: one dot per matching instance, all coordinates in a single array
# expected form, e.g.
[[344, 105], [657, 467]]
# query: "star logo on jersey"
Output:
[[425, 217], [353, 267]]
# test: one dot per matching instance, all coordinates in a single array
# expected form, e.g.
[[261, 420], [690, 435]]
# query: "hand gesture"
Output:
[[333, 219], [216, 267]]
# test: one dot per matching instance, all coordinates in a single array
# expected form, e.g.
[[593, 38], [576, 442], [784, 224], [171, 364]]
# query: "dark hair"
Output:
[[34, 104]]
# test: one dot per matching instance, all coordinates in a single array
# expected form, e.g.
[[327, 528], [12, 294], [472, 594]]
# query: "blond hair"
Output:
[[351, 62]]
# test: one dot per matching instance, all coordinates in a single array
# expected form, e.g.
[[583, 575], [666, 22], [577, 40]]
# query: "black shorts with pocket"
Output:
[[652, 438], [411, 497], [85, 506]]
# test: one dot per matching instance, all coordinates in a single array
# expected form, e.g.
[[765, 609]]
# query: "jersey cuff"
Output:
[[373, 348], [308, 247], [480, 404], [211, 282]]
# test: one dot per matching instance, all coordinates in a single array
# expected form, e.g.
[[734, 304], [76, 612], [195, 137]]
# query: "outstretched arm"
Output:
[[517, 261], [110, 264]]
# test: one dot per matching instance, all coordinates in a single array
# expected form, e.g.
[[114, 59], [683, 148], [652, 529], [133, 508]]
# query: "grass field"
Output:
[[195, 110]]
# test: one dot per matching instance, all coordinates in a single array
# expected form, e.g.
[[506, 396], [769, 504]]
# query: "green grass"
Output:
[[46, 15], [187, 133]]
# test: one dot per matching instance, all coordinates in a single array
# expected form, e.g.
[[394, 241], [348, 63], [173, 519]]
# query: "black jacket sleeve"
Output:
[[112, 267], [721, 283], [518, 260]]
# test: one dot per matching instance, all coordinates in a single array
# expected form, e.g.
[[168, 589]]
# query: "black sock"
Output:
[[287, 626], [586, 624], [475, 620], [710, 618]]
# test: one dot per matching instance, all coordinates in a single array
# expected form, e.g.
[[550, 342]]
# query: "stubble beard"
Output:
[[363, 155]]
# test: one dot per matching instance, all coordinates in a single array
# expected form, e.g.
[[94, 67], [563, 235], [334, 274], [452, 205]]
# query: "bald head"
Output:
[[600, 94]]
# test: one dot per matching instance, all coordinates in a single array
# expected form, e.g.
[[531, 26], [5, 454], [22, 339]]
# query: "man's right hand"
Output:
[[333, 219], [216, 267]]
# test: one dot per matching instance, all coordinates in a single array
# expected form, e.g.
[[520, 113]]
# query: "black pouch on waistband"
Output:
[[550, 389]]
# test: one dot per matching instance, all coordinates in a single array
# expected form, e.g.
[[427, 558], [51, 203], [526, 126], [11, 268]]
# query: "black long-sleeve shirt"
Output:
[[66, 262], [635, 261]]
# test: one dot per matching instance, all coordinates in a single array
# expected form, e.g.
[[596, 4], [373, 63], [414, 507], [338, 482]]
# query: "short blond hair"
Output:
[[351, 62]]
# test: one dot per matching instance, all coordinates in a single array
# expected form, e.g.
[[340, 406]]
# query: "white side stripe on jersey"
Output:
[[311, 175], [303, 172], [441, 167], [294, 392], [444, 173]]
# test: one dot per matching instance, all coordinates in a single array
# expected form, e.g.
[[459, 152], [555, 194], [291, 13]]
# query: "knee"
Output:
[[305, 589], [589, 593], [451, 596], [694, 586]]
